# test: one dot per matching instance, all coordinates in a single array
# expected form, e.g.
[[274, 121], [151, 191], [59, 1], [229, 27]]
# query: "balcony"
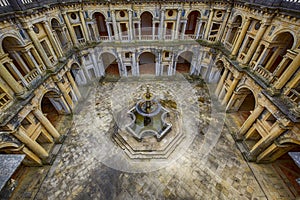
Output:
[[31, 76], [294, 96], [21, 5], [4, 100], [265, 74]]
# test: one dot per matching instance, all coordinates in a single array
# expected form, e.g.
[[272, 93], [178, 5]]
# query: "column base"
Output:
[[249, 157], [62, 59], [237, 137], [273, 91], [61, 139], [23, 95]]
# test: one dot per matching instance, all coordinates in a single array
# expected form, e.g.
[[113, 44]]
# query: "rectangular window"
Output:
[[167, 54], [78, 32], [26, 123], [270, 120], [46, 48], [247, 47], [214, 29], [183, 13], [123, 27], [4, 98]]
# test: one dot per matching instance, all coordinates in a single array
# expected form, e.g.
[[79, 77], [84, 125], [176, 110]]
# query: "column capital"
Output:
[[45, 22], [28, 26]]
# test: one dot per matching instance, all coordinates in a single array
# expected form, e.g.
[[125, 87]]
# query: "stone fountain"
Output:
[[148, 118]]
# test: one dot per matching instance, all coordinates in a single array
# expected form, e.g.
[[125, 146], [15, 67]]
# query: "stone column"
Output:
[[140, 31], [119, 31], [18, 73], [249, 121], [46, 123], [130, 24], [288, 73], [153, 30], [230, 90], [255, 43], [211, 15], [33, 145], [65, 94], [272, 59], [227, 32], [221, 82], [114, 22], [94, 60], [53, 42], [39, 47], [31, 60], [9, 79], [70, 28], [73, 84], [21, 62], [85, 31], [199, 22], [183, 30], [281, 66], [108, 31], [161, 25], [134, 65], [158, 64], [222, 28], [264, 142], [241, 37], [262, 57], [179, 13]]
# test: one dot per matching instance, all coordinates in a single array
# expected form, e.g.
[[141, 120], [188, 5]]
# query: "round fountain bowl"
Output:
[[155, 108]]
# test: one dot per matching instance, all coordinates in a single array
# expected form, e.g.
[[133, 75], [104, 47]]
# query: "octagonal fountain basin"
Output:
[[148, 118], [143, 126]]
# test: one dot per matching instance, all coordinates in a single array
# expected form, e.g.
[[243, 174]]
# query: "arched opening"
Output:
[[77, 74], [237, 22], [20, 68], [59, 33], [283, 42], [219, 71], [243, 102], [147, 63], [101, 25], [184, 60], [110, 64], [146, 23], [192, 23], [288, 167], [52, 106]]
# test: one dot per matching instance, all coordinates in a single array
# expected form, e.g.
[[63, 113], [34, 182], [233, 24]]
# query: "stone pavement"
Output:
[[220, 173]]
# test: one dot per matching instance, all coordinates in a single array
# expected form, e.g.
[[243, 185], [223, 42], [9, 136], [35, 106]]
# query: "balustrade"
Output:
[[31, 76], [294, 96], [4, 99]]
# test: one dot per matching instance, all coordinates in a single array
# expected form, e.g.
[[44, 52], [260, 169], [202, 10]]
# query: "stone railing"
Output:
[[281, 4], [4, 99], [20, 5], [265, 74], [104, 38], [31, 76], [294, 96]]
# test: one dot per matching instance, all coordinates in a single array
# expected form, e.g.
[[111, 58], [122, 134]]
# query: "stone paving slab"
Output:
[[221, 173]]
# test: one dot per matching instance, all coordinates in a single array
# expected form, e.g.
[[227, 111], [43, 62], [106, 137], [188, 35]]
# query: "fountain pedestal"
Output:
[[153, 131]]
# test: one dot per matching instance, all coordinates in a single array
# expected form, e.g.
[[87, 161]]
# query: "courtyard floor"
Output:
[[214, 170]]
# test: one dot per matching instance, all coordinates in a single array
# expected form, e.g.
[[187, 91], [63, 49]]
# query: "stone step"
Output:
[[165, 153]]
